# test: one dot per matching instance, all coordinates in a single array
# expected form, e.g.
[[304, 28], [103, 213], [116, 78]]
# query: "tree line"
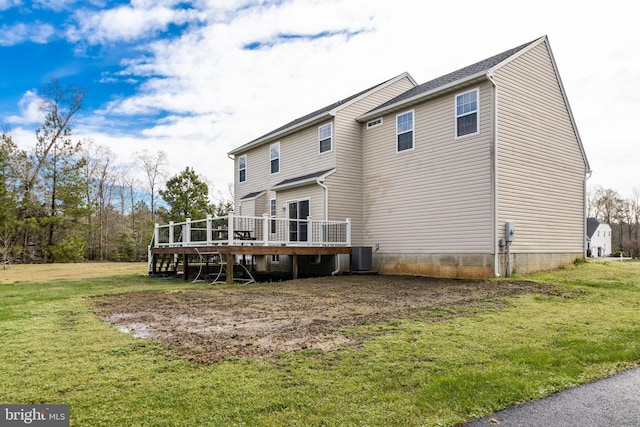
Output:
[[69, 201], [622, 214]]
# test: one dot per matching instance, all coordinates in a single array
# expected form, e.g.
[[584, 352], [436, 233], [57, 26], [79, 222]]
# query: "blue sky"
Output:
[[198, 78]]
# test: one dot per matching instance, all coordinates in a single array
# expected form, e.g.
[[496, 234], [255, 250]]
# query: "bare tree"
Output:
[[593, 194], [635, 209], [609, 206], [154, 165], [100, 172]]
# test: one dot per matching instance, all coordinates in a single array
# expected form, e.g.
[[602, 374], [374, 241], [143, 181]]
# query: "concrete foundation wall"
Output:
[[468, 266], [460, 266], [524, 263]]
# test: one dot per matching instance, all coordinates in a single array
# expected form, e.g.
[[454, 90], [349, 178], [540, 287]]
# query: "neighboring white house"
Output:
[[598, 237], [432, 174]]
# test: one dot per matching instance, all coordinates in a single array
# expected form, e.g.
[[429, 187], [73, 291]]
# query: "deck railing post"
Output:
[[348, 231], [170, 233], [209, 242], [265, 229], [186, 234], [230, 228], [156, 235]]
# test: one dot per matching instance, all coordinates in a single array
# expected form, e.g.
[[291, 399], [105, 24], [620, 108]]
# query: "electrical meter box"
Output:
[[509, 231]]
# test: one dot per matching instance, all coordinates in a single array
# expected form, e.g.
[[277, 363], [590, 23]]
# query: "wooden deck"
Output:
[[224, 238], [229, 253]]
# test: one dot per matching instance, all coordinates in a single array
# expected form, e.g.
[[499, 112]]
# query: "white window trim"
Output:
[[331, 137], [455, 113], [279, 158], [375, 123], [245, 168], [413, 130]]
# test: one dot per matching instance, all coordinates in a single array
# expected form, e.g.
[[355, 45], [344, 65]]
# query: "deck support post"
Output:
[[295, 266], [230, 261], [185, 265]]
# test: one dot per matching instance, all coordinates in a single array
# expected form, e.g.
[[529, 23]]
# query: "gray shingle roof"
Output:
[[302, 178], [458, 75], [318, 113], [592, 226], [252, 195]]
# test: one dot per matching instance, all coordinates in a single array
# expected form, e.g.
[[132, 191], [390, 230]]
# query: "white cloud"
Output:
[[8, 4], [30, 112], [17, 33], [125, 23], [56, 5]]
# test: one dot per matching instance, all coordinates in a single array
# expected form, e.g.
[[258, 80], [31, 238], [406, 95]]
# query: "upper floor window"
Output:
[[324, 137], [275, 157], [242, 168], [404, 131], [467, 113]]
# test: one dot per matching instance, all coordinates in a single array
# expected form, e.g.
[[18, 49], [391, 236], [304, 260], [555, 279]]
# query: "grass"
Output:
[[409, 372]]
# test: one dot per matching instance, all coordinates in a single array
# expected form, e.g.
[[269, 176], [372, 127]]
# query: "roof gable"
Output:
[[593, 224], [454, 78], [318, 115]]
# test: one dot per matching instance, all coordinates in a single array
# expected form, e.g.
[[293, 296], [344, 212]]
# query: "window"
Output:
[[275, 259], [404, 131], [467, 113], [374, 123], [324, 137], [275, 157], [242, 168], [272, 214]]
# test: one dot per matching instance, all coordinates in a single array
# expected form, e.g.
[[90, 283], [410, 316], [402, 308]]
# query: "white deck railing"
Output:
[[243, 230]]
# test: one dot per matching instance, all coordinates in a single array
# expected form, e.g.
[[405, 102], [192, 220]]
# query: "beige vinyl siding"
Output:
[[299, 155], [345, 186], [252, 207], [437, 197], [246, 208], [313, 192], [541, 168]]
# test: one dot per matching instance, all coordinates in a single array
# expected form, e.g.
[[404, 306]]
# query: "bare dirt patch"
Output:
[[260, 319]]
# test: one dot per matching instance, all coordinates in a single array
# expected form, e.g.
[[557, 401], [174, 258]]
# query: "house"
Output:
[[598, 238], [430, 175]]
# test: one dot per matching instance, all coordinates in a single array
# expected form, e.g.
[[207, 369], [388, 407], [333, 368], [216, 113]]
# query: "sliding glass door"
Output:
[[298, 224]]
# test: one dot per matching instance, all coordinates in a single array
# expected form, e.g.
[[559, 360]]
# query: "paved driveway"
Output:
[[614, 401]]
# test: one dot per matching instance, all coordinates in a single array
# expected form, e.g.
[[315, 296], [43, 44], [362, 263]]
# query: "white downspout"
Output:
[[494, 130], [326, 199], [326, 218]]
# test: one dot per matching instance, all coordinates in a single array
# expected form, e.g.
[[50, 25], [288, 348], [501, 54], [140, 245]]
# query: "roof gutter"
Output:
[[419, 97]]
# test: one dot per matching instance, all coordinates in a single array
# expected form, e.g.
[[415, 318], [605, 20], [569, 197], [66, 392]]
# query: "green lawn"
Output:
[[407, 373]]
